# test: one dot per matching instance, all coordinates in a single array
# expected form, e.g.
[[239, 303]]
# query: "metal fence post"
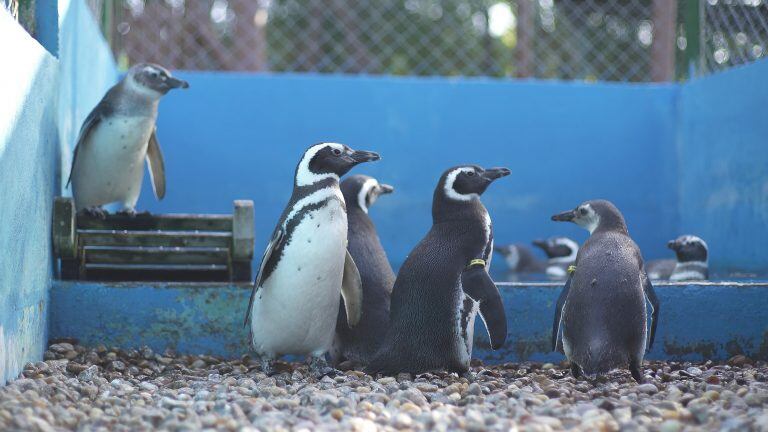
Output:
[[664, 35], [693, 36]]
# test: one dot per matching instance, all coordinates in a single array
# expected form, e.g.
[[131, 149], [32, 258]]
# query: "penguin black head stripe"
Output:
[[366, 190], [153, 80], [463, 183], [329, 160], [595, 215], [558, 247], [689, 248]]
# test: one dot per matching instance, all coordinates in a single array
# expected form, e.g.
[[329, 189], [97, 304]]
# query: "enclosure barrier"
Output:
[[173, 247]]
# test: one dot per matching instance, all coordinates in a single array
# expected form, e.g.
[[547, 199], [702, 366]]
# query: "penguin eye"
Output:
[[470, 173], [583, 211], [336, 151]]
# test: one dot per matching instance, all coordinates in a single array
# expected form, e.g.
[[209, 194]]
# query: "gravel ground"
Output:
[[110, 389]]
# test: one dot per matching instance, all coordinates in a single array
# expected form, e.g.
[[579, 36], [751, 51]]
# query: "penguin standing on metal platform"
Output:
[[561, 254], [444, 281], [602, 307], [116, 137], [295, 299], [691, 261], [358, 344]]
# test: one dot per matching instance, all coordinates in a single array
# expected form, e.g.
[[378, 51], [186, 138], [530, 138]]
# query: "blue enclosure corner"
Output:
[[688, 157]]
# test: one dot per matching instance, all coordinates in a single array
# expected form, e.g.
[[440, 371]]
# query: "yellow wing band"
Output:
[[477, 261]]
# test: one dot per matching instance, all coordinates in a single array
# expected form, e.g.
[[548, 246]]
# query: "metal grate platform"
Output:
[[147, 247]]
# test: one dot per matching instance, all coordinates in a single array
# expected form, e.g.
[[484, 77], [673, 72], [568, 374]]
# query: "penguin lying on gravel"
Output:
[[443, 282], [358, 344], [116, 137], [561, 253], [690, 263], [602, 307], [295, 299]]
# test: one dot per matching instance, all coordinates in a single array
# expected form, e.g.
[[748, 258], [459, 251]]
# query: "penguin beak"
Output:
[[360, 156], [386, 189], [567, 216], [673, 245], [540, 243], [174, 83], [492, 174]]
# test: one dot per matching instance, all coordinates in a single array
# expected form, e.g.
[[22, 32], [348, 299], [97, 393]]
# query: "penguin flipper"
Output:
[[352, 291], [479, 286], [558, 313], [156, 165], [277, 239], [90, 123], [650, 293]]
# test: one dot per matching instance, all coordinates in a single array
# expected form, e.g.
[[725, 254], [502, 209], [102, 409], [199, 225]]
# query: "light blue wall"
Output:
[[28, 140], [42, 102], [723, 165], [233, 136]]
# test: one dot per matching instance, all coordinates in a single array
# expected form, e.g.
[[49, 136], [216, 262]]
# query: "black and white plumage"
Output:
[[116, 138], [306, 266], [439, 289], [358, 344], [561, 253], [602, 308], [519, 258], [690, 263]]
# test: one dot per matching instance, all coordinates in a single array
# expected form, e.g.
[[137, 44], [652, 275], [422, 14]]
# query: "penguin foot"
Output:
[[267, 365], [128, 211], [637, 372], [95, 212], [318, 368], [576, 370]]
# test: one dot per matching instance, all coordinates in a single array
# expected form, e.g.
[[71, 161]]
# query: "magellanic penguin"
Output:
[[520, 259], [602, 308], [116, 137], [358, 344], [295, 299], [561, 254], [691, 261], [444, 281]]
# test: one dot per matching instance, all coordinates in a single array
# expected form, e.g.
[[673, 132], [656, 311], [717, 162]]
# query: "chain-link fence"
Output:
[[734, 32], [612, 40]]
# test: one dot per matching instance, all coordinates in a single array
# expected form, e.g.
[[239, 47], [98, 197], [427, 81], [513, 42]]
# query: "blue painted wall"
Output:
[[200, 318], [43, 101], [28, 140], [234, 136], [723, 165]]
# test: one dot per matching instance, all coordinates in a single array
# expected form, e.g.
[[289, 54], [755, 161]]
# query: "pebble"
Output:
[[77, 388]]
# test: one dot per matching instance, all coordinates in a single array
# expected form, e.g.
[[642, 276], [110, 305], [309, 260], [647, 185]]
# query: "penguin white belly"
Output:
[[295, 310], [110, 163], [465, 326]]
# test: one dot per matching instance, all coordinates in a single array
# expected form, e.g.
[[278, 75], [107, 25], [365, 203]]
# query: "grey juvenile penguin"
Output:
[[561, 253], [358, 344], [690, 263], [295, 299], [602, 308], [443, 282], [116, 137]]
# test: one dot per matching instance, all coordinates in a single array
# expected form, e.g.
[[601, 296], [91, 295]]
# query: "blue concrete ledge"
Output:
[[712, 320]]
